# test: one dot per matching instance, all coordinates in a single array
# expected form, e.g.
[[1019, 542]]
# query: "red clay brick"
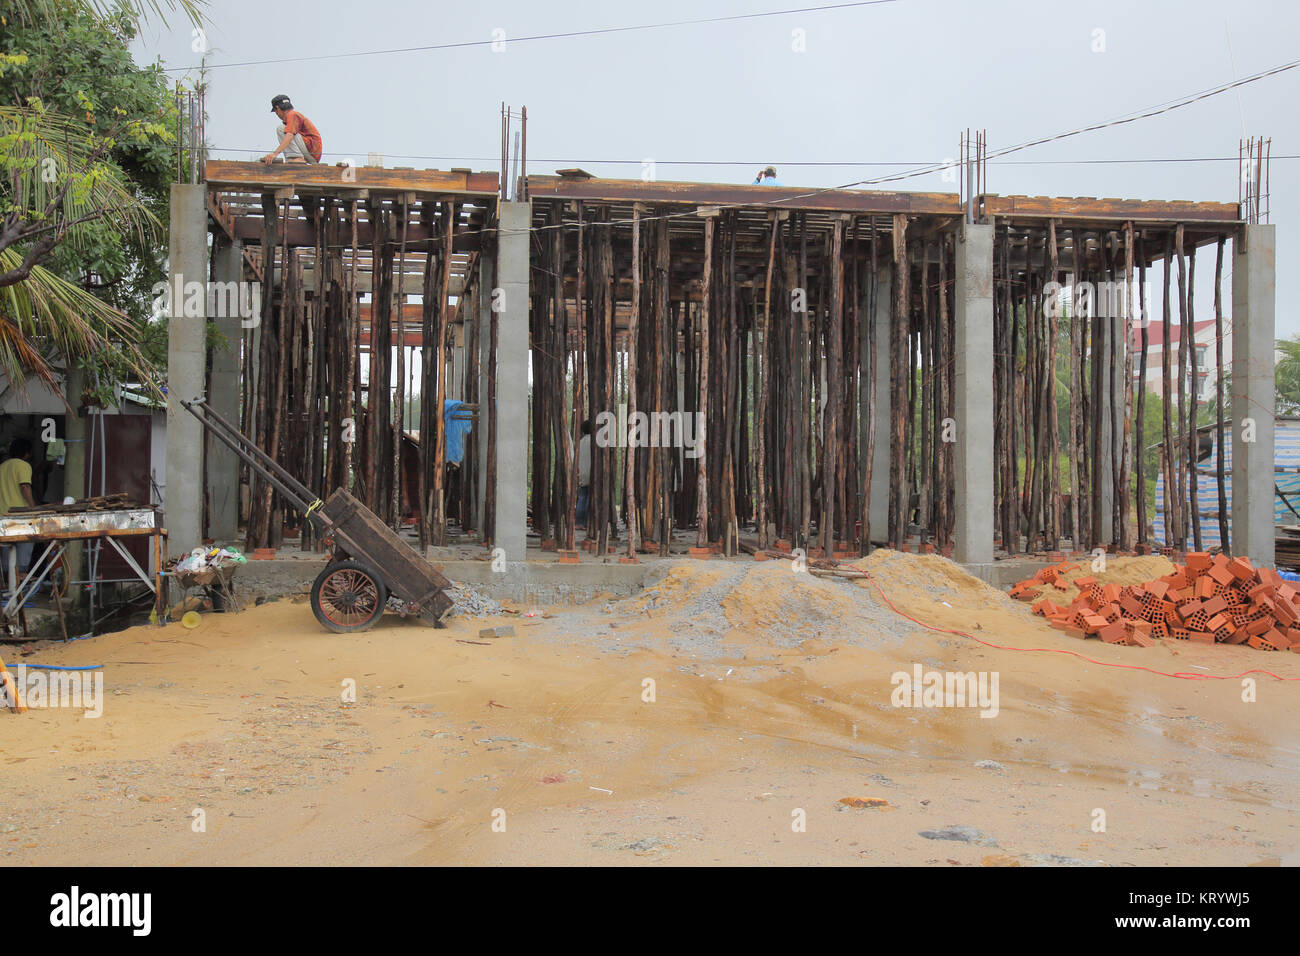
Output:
[[1092, 623], [1286, 612], [1138, 639], [1241, 568], [1201, 637], [1259, 625], [1262, 589], [1113, 633], [1215, 605], [1222, 575]]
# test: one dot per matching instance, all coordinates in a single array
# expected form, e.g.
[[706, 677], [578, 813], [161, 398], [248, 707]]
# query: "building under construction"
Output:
[[766, 367]]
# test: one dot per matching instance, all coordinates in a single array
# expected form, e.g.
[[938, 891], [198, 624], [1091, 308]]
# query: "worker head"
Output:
[[769, 173], [280, 105], [20, 448]]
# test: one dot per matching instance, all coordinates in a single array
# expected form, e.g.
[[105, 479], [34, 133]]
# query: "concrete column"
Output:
[[512, 380], [973, 355], [487, 277], [223, 392], [880, 461], [186, 360], [1254, 255]]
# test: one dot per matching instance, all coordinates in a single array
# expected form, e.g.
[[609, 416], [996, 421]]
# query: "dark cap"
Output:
[[280, 102]]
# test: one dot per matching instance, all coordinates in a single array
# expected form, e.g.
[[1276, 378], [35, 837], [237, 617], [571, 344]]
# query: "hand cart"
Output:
[[371, 562]]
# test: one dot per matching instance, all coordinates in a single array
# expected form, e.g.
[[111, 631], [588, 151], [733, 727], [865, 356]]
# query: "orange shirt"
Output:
[[295, 122]]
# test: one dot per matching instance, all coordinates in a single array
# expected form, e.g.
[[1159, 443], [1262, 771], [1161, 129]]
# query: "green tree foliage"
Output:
[[1286, 375], [86, 154]]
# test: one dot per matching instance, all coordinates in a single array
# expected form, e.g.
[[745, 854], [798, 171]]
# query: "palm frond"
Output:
[[43, 150], [45, 315], [33, 11]]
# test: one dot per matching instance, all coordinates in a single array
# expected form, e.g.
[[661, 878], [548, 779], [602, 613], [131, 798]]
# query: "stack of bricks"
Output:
[[1212, 599]]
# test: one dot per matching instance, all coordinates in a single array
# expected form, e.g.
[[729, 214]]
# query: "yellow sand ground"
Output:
[[757, 722]]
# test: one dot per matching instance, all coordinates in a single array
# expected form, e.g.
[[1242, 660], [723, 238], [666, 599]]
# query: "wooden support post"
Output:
[[1140, 426], [633, 328], [898, 492], [706, 293], [1220, 446], [450, 211], [1126, 460], [831, 420], [399, 414], [1171, 502]]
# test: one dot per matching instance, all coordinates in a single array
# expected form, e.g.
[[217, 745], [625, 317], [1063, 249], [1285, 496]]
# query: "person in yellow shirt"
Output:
[[16, 492]]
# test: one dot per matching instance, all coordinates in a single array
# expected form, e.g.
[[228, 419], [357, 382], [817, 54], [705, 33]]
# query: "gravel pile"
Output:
[[467, 602]]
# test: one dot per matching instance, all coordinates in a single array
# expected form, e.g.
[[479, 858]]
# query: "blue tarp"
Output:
[[457, 427]]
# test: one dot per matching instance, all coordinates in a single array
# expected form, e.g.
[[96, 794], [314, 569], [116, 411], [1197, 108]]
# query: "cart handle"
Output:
[[266, 466]]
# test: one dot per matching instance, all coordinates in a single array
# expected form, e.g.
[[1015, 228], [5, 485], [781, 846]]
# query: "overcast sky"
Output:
[[892, 83]]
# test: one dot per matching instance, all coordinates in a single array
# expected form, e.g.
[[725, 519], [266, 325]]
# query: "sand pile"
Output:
[[767, 601], [909, 576]]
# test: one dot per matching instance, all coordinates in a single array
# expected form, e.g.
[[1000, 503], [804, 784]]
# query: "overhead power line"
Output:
[[467, 44], [778, 163]]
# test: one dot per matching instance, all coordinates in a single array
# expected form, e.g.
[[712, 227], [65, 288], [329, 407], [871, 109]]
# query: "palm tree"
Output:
[[57, 178], [1286, 375]]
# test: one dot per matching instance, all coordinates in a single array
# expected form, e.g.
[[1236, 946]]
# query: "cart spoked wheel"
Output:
[[348, 596]]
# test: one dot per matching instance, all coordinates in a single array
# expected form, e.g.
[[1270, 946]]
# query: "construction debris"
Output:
[[1212, 599]]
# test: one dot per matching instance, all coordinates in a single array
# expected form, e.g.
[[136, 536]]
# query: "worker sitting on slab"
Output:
[[16, 492], [767, 178], [299, 138]]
